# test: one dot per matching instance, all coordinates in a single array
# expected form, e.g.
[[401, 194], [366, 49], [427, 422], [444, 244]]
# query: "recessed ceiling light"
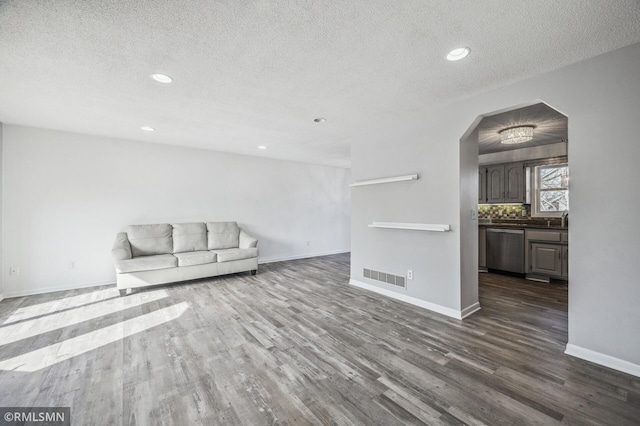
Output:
[[147, 128], [459, 53], [319, 120], [161, 78], [262, 147]]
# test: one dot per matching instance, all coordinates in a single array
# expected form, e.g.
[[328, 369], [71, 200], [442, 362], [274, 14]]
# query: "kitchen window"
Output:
[[550, 190]]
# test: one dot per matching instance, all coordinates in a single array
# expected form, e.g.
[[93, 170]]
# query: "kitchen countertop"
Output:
[[523, 226]]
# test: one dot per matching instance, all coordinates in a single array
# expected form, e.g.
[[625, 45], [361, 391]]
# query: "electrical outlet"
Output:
[[14, 270], [308, 243], [473, 214], [409, 274], [73, 264]]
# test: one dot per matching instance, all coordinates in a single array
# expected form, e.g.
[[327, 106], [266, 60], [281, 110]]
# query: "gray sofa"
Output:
[[164, 253]]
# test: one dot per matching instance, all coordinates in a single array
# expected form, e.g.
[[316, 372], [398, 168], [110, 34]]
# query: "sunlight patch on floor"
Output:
[[30, 328], [61, 304], [47, 356]]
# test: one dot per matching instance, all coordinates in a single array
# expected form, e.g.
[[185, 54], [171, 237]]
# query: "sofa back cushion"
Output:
[[121, 249], [222, 235], [147, 240], [189, 237]]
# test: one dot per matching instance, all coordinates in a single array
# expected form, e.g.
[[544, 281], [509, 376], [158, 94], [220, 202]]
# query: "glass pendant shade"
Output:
[[515, 135]]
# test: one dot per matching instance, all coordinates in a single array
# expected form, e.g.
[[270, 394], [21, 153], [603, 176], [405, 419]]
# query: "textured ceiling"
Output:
[[550, 126], [250, 73]]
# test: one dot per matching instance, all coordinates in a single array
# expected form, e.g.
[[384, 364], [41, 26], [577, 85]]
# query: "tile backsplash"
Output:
[[499, 211]]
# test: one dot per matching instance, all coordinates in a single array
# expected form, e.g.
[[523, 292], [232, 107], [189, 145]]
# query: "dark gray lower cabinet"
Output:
[[550, 259], [546, 259], [547, 253], [482, 248]]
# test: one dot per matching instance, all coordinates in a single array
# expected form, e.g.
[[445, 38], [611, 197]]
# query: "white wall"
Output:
[[600, 97], [1, 185], [66, 195], [425, 147], [468, 228]]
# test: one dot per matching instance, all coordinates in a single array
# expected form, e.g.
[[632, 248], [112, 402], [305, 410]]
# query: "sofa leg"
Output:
[[123, 292], [254, 271]]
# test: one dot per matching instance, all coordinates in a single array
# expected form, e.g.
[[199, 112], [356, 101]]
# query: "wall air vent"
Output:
[[384, 277]]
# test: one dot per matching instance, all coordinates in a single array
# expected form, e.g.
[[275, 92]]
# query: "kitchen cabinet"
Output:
[[482, 248], [495, 184], [514, 185], [482, 185], [546, 259], [548, 253], [504, 183]]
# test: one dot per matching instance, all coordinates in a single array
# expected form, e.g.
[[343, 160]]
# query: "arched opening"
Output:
[[514, 185]]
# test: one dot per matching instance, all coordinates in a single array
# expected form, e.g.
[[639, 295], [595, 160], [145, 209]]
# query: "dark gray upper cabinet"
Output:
[[514, 185], [495, 184], [482, 185], [504, 183]]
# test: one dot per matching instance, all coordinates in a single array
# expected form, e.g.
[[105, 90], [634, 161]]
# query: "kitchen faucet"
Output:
[[565, 216]]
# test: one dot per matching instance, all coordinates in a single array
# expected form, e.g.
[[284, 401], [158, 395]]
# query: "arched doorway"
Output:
[[514, 185]]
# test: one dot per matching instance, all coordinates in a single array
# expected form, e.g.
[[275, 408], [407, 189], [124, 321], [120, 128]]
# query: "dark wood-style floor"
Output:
[[296, 345]]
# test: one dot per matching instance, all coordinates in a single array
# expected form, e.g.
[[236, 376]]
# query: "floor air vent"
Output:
[[384, 277]]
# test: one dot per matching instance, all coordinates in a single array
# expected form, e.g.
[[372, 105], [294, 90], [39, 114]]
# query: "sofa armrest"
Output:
[[121, 249], [247, 241]]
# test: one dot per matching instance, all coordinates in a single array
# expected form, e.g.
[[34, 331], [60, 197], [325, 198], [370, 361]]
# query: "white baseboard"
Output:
[[453, 313], [471, 309], [57, 288], [603, 359], [300, 256]]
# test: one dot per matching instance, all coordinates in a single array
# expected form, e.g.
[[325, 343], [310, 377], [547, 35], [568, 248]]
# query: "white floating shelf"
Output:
[[386, 180], [411, 226]]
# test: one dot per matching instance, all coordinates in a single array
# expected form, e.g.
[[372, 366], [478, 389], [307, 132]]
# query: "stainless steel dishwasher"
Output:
[[505, 249]]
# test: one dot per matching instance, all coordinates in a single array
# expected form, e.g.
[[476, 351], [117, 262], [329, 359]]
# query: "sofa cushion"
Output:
[[222, 235], [121, 249], [192, 258], [189, 237], [147, 240], [228, 255], [246, 240], [147, 263]]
